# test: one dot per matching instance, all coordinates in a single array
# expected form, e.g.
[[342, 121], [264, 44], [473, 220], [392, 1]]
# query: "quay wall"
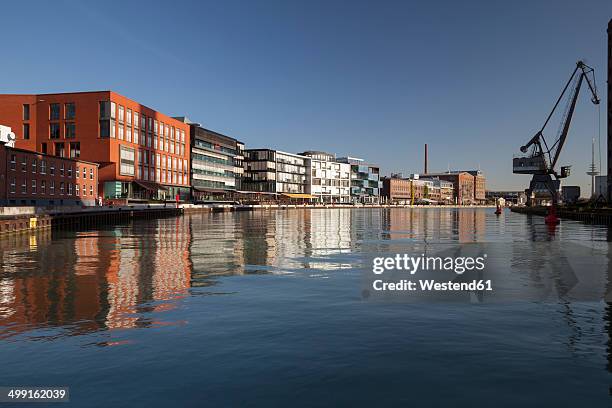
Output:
[[597, 216]]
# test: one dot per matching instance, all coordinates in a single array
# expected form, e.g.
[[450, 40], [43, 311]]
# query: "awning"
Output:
[[211, 190], [297, 195], [150, 186]]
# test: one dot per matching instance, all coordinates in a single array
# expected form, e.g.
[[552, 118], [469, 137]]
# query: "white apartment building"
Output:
[[330, 181]]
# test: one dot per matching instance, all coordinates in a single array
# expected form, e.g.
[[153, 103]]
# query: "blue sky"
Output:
[[372, 79]]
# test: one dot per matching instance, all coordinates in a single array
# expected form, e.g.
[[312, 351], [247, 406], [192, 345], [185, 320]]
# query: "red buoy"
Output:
[[498, 210], [551, 218]]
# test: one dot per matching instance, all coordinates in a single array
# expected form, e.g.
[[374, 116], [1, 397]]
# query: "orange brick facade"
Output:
[[142, 153]]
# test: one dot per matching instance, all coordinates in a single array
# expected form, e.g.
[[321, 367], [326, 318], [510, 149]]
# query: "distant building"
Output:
[[330, 181], [365, 180], [36, 179], [601, 186], [396, 190], [216, 163], [570, 194], [469, 185], [514, 197], [275, 172]]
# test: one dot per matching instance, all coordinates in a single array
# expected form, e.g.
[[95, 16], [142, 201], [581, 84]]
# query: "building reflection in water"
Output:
[[93, 280]]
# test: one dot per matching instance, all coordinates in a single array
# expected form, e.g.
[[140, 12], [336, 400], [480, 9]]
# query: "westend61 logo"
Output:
[[412, 264]]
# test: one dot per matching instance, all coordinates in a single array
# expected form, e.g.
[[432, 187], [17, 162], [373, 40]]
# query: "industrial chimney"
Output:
[[425, 168]]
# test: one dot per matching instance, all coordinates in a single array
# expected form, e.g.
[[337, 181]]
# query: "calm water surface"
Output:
[[265, 309]]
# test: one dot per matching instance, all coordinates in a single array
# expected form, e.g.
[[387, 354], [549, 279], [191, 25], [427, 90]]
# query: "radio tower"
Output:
[[593, 169]]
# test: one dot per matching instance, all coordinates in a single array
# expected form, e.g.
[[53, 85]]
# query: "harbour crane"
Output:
[[542, 158]]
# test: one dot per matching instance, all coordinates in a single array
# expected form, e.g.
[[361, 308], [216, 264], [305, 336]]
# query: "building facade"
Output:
[[35, 179], [469, 186], [276, 172], [330, 181], [216, 164], [365, 180], [396, 190], [142, 153], [609, 104]]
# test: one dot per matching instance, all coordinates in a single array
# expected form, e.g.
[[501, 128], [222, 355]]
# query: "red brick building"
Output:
[[142, 153], [30, 178]]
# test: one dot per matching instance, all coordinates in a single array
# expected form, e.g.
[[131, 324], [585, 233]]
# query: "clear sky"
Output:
[[372, 79]]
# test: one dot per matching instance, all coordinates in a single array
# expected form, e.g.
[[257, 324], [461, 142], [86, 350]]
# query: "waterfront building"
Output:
[[514, 197], [330, 181], [396, 190], [216, 163], [276, 173], [142, 153], [36, 179], [469, 186], [365, 180]]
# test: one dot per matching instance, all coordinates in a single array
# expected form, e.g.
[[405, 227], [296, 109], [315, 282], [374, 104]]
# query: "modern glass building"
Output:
[[276, 172], [365, 180], [330, 181], [216, 164]]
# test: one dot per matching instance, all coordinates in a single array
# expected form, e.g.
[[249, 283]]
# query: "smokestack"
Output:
[[425, 169]]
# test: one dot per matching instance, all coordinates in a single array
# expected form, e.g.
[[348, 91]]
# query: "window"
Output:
[[69, 189], [128, 117], [113, 109], [143, 122], [24, 163], [26, 131], [54, 131], [156, 127], [76, 189], [43, 186], [112, 129], [26, 111], [69, 130], [150, 120], [61, 187], [120, 132], [59, 150], [128, 134], [13, 161], [52, 187], [104, 129], [43, 167], [24, 187], [136, 120], [62, 169], [43, 148], [76, 173], [33, 186], [75, 150], [126, 161], [84, 190], [91, 191], [54, 111], [34, 166], [69, 111], [91, 174], [13, 185], [104, 110], [121, 114], [69, 171], [52, 168]]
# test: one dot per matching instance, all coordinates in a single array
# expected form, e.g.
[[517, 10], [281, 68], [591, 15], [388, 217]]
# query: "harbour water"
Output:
[[266, 309]]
